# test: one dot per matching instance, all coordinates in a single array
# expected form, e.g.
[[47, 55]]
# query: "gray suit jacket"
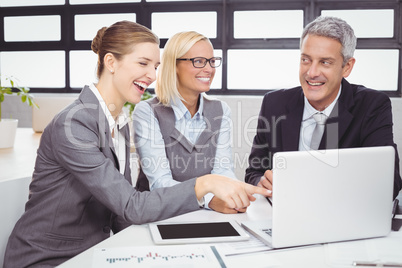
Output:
[[77, 195], [199, 157]]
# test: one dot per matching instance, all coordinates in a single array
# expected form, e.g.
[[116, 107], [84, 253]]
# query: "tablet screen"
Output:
[[196, 230]]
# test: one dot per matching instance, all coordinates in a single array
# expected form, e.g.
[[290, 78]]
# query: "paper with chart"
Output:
[[157, 256]]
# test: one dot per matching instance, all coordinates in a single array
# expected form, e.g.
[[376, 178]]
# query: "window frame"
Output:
[[225, 33]]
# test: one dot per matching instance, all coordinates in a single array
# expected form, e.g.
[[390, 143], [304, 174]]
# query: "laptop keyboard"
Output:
[[267, 231]]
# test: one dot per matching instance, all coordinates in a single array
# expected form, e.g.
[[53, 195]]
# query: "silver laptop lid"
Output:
[[332, 195]]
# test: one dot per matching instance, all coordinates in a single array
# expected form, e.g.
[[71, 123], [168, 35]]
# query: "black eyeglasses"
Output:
[[200, 62]]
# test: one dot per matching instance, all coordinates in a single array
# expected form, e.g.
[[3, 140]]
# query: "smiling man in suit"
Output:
[[353, 115]]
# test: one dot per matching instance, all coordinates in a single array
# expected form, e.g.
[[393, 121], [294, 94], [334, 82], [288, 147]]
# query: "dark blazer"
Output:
[[362, 117], [78, 195]]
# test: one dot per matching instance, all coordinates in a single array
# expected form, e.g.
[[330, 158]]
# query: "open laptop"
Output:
[[329, 195]]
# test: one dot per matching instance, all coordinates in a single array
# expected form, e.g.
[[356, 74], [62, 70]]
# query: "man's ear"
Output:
[[109, 62], [347, 69]]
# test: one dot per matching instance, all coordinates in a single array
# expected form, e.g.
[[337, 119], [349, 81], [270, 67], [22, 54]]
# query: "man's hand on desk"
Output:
[[219, 205], [266, 181]]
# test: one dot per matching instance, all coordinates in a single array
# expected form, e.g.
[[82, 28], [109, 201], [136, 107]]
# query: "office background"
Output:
[[45, 44]]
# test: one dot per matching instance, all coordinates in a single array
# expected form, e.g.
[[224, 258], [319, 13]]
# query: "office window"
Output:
[[83, 66], [363, 23], [167, 24], [86, 26], [257, 39], [217, 82], [35, 68], [20, 3], [268, 24], [263, 69], [169, 0], [82, 2], [32, 28], [376, 68]]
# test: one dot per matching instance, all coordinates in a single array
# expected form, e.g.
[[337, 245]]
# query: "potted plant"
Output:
[[8, 127]]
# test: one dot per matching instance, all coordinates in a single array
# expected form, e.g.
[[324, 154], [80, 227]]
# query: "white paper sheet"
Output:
[[237, 248], [156, 256], [378, 250]]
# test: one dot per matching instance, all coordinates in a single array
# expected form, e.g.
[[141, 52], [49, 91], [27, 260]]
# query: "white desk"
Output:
[[138, 235], [19, 161]]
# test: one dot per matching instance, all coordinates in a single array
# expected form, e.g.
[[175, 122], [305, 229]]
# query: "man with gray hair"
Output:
[[347, 115]]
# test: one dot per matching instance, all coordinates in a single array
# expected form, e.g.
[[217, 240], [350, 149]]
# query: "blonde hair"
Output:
[[166, 87]]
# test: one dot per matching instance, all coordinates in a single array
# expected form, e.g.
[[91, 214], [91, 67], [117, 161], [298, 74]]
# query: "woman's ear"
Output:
[[109, 62]]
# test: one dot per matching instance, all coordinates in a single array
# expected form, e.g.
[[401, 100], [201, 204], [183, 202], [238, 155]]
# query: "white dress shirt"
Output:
[[118, 139], [308, 123]]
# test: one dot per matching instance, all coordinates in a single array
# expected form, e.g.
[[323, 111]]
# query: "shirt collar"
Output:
[[180, 110], [310, 110], [122, 118]]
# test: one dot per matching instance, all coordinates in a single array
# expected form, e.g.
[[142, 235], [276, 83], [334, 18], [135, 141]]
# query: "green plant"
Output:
[[23, 92], [131, 106]]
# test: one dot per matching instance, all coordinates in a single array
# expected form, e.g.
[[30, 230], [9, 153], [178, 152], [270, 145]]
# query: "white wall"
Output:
[[245, 111]]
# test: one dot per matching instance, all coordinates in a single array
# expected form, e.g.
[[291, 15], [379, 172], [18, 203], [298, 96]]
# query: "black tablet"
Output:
[[197, 232]]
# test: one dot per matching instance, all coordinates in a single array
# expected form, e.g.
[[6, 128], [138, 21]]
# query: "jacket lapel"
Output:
[[339, 119], [127, 170], [205, 136], [292, 123], [180, 138], [91, 103], [213, 114]]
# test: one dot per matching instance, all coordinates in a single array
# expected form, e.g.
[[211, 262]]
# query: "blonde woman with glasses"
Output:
[[182, 133]]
